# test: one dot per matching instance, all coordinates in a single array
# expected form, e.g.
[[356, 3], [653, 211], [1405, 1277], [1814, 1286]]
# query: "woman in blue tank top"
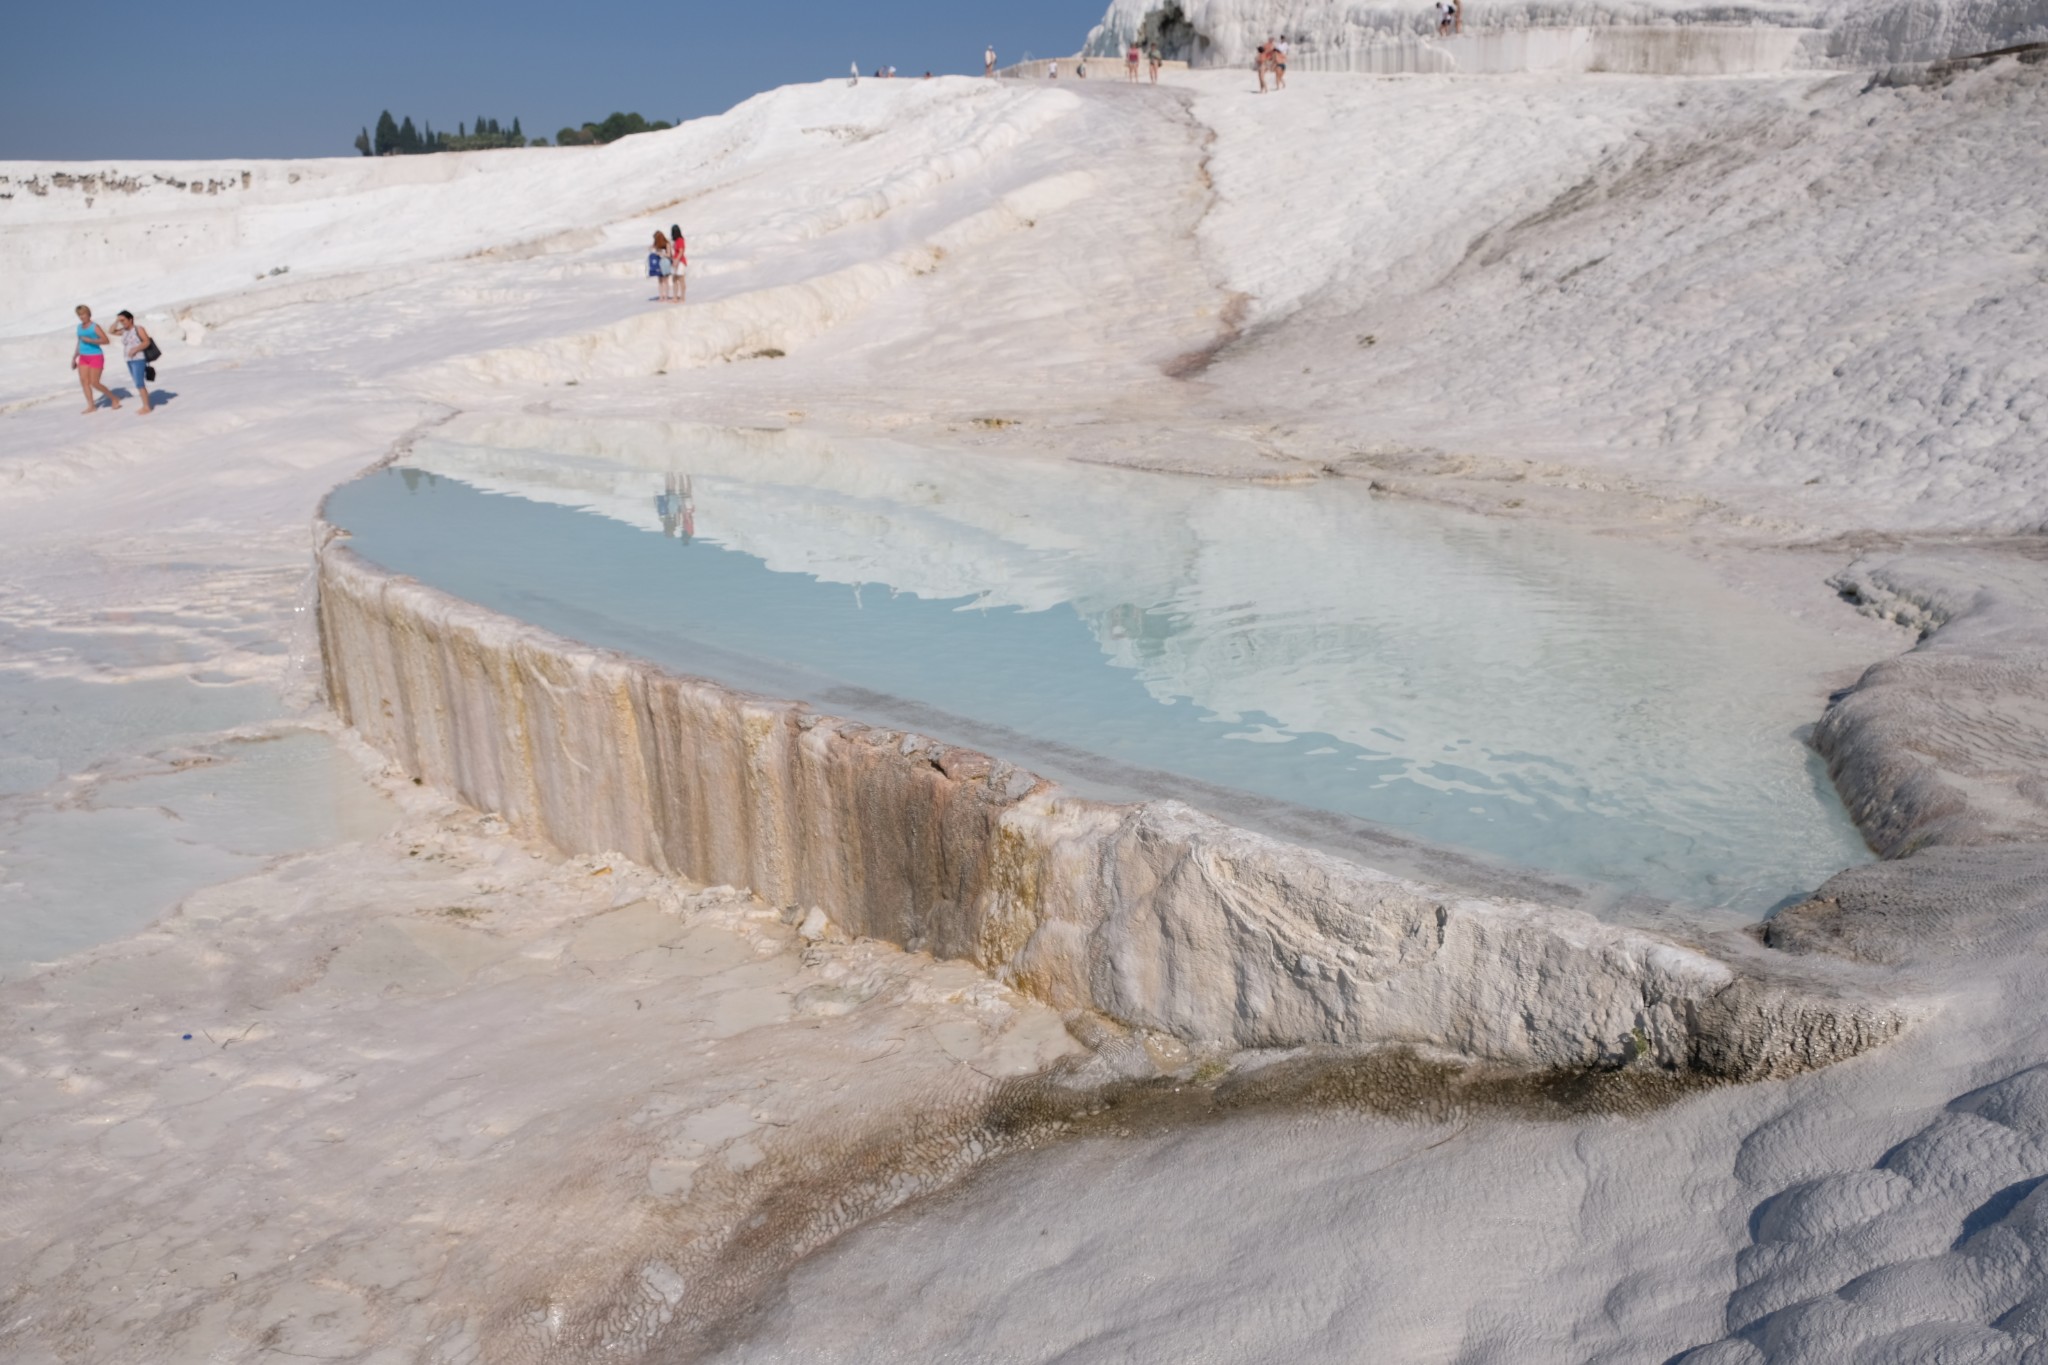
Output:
[[90, 360]]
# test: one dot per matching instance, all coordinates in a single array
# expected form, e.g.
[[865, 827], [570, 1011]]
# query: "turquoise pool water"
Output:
[[1540, 698]]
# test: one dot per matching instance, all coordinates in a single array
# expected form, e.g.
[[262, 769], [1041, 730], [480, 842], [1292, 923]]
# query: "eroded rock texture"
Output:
[[1937, 1252], [1940, 755]]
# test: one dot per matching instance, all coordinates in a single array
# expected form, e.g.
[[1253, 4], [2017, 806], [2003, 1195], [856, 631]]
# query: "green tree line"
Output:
[[611, 130], [398, 137]]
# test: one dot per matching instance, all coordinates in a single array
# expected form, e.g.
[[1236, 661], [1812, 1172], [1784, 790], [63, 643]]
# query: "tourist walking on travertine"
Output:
[[1259, 62], [1131, 62], [136, 347], [1276, 57], [679, 275], [1052, 71], [988, 61], [90, 360], [1152, 55], [659, 265]]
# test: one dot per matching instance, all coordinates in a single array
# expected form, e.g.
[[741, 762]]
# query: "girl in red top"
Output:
[[682, 261]]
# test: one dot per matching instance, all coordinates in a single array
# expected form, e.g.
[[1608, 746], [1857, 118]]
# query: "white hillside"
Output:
[[1342, 35], [1778, 318], [1815, 300]]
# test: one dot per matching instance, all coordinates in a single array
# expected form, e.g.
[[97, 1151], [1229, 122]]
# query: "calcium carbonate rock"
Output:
[[1938, 1252], [1154, 914], [1938, 755], [1611, 35]]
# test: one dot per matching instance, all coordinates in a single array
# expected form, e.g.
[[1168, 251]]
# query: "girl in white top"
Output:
[[134, 341]]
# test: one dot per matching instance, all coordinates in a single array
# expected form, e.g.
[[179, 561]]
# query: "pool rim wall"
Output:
[[1152, 913]]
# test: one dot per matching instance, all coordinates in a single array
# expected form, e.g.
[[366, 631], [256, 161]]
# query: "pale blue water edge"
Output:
[[1540, 698]]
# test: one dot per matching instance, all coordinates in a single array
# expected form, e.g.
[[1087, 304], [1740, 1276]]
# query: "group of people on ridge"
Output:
[[89, 358], [1134, 55], [667, 265]]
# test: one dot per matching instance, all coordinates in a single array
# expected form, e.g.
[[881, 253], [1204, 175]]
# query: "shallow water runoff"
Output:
[[1546, 700]]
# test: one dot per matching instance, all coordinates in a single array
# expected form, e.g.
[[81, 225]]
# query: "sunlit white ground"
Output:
[[1783, 312]]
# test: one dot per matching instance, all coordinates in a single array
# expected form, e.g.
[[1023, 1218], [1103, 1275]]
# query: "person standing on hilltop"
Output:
[[1131, 62], [680, 274], [988, 61], [90, 360]]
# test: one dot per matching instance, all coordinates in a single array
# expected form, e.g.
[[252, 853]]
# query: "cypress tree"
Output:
[[363, 142], [408, 136], [461, 129], [494, 127], [517, 136], [387, 134]]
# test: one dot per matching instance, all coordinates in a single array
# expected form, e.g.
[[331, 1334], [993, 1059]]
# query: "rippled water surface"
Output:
[[1556, 701]]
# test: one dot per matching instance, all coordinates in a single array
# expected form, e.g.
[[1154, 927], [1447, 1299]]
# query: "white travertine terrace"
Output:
[[1153, 914], [1652, 37], [1792, 310]]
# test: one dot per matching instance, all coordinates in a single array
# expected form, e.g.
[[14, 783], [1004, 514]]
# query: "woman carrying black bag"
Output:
[[141, 351]]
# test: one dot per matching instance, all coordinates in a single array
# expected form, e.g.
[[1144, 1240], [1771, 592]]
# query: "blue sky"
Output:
[[230, 78]]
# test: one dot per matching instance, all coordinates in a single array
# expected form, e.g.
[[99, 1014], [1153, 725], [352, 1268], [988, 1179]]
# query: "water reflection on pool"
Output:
[[1560, 702]]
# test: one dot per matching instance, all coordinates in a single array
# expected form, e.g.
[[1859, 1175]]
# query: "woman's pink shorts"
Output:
[[92, 362]]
